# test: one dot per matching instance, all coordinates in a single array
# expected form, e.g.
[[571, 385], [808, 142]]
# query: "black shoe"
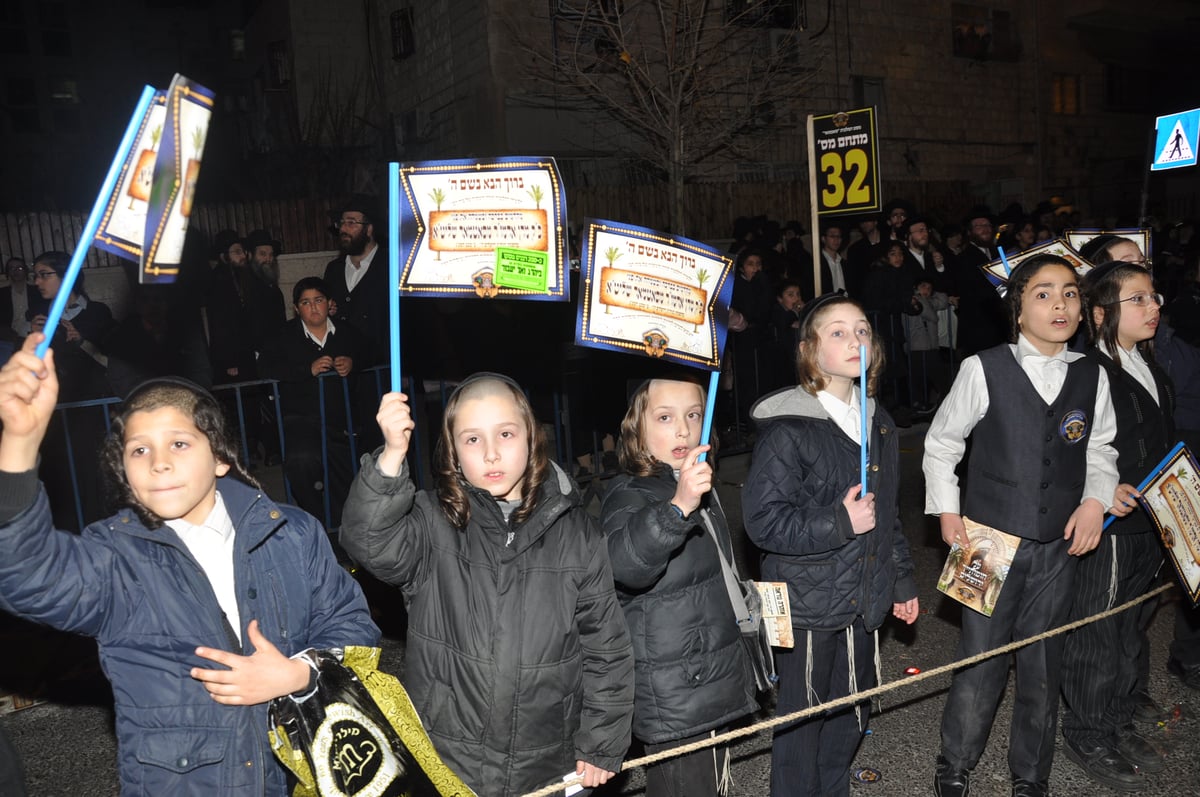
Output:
[[1139, 750], [1189, 675], [1105, 766], [950, 782], [1029, 788], [1147, 711]]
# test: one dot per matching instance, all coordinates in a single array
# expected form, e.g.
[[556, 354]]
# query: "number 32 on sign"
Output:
[[843, 162]]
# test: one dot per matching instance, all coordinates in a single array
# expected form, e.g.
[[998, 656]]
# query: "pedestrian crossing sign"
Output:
[[1176, 140]]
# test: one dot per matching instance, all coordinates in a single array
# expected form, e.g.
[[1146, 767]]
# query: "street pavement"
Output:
[[68, 747]]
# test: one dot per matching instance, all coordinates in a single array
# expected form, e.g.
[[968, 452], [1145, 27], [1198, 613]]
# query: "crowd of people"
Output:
[[542, 639]]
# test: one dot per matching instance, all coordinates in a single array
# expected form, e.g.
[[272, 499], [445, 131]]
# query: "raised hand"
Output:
[[396, 423], [28, 393], [695, 479]]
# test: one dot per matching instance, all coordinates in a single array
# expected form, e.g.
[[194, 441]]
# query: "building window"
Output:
[[64, 91], [279, 66], [983, 34], [403, 42], [20, 96], [868, 91], [1125, 88], [1064, 94], [767, 13]]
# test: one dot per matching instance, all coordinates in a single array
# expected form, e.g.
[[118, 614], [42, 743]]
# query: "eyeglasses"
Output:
[[44, 275], [1143, 300], [350, 223]]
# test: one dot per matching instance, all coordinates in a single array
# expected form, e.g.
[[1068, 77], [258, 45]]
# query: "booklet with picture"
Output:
[[776, 613], [975, 575], [1171, 494]]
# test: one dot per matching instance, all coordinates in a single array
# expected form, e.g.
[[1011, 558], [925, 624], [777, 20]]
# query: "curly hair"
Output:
[[451, 486], [808, 371], [1102, 289], [1019, 280], [632, 453], [193, 401]]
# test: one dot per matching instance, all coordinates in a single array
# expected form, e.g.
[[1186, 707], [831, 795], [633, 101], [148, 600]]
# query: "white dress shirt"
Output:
[[355, 273], [967, 403], [836, 274], [845, 415], [330, 329], [211, 543]]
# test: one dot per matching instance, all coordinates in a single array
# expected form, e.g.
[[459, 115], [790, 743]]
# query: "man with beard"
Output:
[[357, 278], [263, 252], [981, 315]]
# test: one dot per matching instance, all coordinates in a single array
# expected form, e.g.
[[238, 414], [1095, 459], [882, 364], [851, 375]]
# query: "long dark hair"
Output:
[[451, 486], [194, 402], [1102, 289]]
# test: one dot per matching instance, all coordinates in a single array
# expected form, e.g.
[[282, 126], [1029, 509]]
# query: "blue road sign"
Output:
[[1176, 142]]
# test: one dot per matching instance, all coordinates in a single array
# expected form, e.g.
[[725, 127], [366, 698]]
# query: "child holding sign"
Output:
[[197, 591], [1100, 661], [518, 655], [843, 555], [664, 527], [1042, 468]]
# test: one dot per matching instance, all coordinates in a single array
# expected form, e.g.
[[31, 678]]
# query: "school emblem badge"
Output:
[[655, 342], [1073, 427], [485, 285]]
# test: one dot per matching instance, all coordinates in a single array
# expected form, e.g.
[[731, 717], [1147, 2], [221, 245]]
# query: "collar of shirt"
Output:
[[846, 415], [355, 273], [330, 329], [1047, 373], [75, 308]]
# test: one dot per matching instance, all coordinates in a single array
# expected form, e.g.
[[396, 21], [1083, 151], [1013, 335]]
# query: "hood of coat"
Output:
[[794, 402]]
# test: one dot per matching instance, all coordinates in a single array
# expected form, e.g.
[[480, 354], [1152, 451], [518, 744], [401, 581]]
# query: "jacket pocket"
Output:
[[183, 761]]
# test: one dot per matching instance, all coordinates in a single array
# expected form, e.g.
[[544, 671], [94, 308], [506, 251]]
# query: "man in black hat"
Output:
[[263, 251], [982, 318], [358, 276]]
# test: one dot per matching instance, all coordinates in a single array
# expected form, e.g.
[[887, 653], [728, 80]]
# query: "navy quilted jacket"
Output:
[[792, 506], [147, 602]]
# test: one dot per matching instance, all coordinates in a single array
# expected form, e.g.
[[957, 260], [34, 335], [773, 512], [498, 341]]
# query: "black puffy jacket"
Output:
[[803, 466], [518, 656], [692, 672]]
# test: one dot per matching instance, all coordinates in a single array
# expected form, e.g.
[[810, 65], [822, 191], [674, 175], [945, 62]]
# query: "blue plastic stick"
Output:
[[714, 381], [393, 233], [862, 411], [93, 221], [1004, 260]]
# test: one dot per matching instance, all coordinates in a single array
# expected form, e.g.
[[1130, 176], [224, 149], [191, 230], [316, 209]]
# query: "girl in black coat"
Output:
[[664, 524], [843, 555]]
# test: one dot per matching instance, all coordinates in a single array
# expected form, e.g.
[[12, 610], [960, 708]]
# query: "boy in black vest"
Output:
[[1042, 468]]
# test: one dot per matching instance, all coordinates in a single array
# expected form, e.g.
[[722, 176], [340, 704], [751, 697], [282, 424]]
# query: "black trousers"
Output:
[[1100, 660], [1036, 598], [303, 466], [696, 774], [812, 758]]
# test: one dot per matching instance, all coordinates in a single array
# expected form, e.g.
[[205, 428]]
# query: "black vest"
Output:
[[1145, 430], [1028, 459]]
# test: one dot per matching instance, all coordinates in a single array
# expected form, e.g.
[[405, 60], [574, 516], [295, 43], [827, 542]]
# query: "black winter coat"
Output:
[[692, 672], [803, 466], [518, 655]]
